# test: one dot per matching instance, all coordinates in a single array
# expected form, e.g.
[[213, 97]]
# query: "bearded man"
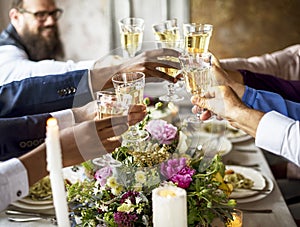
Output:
[[31, 45]]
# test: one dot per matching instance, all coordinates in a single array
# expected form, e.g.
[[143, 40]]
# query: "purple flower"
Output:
[[102, 174], [162, 131], [125, 219], [178, 172], [129, 195]]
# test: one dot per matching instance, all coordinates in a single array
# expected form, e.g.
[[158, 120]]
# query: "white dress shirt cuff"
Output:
[[65, 118], [14, 182], [271, 130]]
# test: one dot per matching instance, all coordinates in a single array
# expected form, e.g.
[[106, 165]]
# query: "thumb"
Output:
[[199, 101]]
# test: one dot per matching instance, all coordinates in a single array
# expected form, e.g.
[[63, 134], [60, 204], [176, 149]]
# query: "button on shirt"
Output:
[[13, 182], [13, 174]]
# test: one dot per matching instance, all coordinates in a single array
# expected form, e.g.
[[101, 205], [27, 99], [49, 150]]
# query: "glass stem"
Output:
[[171, 89]]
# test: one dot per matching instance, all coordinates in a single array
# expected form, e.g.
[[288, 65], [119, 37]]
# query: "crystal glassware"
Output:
[[167, 35], [108, 105], [197, 37], [131, 35], [198, 77], [129, 87]]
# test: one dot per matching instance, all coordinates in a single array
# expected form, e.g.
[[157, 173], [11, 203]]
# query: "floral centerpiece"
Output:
[[119, 194]]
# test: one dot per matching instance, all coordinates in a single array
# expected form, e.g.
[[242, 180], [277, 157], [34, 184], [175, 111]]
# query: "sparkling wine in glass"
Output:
[[129, 88], [198, 78], [197, 37], [131, 35], [108, 105], [167, 35]]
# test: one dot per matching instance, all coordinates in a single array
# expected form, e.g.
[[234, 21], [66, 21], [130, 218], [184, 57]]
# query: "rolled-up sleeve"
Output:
[[13, 182]]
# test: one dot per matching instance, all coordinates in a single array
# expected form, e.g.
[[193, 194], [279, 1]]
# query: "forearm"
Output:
[[35, 163], [246, 119], [101, 77], [235, 76]]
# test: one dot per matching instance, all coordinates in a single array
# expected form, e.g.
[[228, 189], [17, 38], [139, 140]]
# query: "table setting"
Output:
[[172, 169]]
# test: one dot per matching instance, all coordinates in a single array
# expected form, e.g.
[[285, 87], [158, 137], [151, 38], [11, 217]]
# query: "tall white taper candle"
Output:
[[169, 207], [54, 166]]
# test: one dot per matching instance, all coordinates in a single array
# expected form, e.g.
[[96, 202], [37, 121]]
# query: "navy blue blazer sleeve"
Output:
[[20, 135], [45, 94]]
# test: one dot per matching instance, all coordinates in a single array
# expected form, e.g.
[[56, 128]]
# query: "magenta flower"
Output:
[[161, 131], [125, 219], [102, 174], [177, 171]]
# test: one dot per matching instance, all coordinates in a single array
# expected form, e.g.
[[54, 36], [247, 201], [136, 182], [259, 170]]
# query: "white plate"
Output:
[[28, 200], [231, 133], [270, 186], [32, 206], [224, 147], [254, 175]]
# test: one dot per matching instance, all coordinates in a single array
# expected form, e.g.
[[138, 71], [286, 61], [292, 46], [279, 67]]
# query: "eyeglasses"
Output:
[[43, 15]]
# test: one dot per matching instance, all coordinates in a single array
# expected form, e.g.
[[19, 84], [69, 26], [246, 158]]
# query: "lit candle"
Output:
[[169, 207], [237, 219], [54, 166]]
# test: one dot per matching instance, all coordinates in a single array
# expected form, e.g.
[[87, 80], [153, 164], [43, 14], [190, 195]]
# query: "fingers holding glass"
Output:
[[129, 89]]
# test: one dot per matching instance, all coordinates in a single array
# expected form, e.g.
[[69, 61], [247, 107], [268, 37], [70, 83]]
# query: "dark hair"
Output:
[[15, 4]]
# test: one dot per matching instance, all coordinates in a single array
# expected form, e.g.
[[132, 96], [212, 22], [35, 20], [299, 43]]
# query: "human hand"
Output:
[[149, 61], [136, 113], [221, 100], [91, 139], [146, 62]]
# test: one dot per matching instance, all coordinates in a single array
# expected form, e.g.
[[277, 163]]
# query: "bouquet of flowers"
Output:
[[119, 194]]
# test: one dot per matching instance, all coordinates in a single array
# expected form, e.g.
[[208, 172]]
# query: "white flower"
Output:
[[117, 190], [140, 177], [103, 207], [138, 187], [112, 182], [138, 200]]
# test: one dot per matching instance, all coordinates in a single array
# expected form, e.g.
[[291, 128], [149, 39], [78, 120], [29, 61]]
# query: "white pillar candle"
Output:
[[54, 166], [169, 206]]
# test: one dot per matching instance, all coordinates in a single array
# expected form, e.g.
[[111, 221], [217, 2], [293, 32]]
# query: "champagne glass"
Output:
[[197, 37], [108, 105], [198, 78], [129, 87], [131, 31], [167, 35]]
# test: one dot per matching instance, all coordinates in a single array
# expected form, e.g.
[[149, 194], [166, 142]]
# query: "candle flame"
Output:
[[52, 121], [167, 193]]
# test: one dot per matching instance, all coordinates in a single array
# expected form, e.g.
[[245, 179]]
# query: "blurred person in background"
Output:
[[31, 43]]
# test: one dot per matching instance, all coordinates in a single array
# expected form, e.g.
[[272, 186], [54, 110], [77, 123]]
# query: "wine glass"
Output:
[[131, 31], [108, 105], [197, 37], [129, 87], [167, 35], [198, 78]]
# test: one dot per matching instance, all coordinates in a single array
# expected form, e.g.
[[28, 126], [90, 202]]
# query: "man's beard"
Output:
[[39, 48]]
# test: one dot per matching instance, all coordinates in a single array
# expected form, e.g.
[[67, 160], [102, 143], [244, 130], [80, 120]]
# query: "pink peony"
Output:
[[161, 131], [102, 174], [178, 172]]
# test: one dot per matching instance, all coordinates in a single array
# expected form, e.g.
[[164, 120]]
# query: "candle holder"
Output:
[[237, 219]]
